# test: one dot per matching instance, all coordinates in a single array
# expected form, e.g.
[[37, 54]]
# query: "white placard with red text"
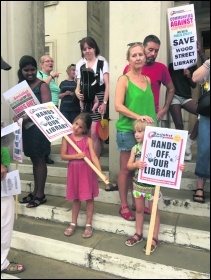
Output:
[[163, 150], [49, 120], [183, 36]]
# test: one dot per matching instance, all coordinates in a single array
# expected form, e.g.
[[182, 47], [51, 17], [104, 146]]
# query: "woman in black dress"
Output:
[[35, 144]]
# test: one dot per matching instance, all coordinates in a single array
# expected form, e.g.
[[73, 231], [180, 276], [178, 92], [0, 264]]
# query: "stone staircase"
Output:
[[183, 253]]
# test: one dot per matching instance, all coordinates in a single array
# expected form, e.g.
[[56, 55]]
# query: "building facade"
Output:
[[55, 27]]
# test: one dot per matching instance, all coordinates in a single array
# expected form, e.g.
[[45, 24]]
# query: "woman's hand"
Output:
[[55, 74], [79, 95], [146, 118], [102, 109], [24, 117]]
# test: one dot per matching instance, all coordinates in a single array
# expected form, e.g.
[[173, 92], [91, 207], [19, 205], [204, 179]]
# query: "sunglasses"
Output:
[[131, 44]]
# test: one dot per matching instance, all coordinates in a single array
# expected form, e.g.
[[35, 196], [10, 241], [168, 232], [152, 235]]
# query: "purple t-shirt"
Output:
[[158, 74]]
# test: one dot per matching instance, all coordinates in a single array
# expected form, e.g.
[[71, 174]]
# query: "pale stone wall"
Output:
[[66, 24]]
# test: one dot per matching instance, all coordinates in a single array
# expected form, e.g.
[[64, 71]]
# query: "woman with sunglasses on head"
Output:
[[48, 75], [133, 100]]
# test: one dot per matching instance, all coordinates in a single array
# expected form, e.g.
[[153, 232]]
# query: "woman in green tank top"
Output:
[[133, 100]]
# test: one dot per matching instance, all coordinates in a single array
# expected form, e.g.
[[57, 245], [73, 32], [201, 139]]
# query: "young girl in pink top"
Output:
[[82, 181]]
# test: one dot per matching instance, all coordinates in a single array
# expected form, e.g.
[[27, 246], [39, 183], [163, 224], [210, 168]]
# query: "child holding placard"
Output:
[[82, 182], [142, 191]]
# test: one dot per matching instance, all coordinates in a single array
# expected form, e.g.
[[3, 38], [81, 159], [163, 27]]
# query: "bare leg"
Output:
[[124, 180], [96, 104], [139, 214], [157, 222], [89, 215], [96, 140], [175, 111], [89, 211], [75, 210]]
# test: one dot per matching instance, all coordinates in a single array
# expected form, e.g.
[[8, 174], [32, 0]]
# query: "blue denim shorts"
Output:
[[202, 169], [125, 140]]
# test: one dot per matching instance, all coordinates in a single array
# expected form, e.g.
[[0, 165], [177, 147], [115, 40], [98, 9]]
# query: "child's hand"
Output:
[[182, 167], [106, 179], [80, 156], [140, 164]]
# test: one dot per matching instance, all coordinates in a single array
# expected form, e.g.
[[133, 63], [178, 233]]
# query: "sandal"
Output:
[[133, 240], [88, 232], [126, 215], [37, 201], [70, 230], [199, 198], [13, 268], [146, 210], [111, 187], [153, 246], [27, 199]]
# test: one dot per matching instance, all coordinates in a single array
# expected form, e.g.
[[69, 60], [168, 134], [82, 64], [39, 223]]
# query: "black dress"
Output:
[[35, 144]]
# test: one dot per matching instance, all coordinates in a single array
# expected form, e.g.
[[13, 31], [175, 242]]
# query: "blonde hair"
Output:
[[133, 46], [42, 59], [70, 66], [141, 125]]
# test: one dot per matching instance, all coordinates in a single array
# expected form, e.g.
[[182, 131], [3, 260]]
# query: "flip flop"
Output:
[[13, 268], [111, 187]]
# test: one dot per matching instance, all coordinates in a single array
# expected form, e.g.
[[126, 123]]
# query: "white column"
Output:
[[22, 33]]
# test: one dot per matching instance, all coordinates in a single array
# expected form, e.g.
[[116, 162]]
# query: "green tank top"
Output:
[[138, 101]]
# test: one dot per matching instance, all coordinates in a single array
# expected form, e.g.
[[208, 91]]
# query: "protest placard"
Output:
[[163, 150], [183, 36], [20, 97], [54, 125], [17, 143], [9, 129], [11, 184], [49, 120]]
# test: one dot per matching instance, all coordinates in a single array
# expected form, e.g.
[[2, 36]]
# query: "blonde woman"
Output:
[[47, 74]]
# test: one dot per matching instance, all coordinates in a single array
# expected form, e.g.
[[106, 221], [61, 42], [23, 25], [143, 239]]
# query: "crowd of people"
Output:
[[84, 96]]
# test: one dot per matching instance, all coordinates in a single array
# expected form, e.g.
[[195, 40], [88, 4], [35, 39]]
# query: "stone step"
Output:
[[59, 170], [175, 201], [178, 229], [105, 251], [39, 267]]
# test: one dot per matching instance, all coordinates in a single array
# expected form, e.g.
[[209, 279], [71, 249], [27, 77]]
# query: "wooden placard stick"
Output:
[[16, 199], [101, 175], [152, 220]]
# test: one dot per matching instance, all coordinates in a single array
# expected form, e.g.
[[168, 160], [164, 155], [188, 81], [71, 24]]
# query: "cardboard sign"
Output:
[[49, 120], [11, 185], [163, 150], [183, 36], [20, 97]]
